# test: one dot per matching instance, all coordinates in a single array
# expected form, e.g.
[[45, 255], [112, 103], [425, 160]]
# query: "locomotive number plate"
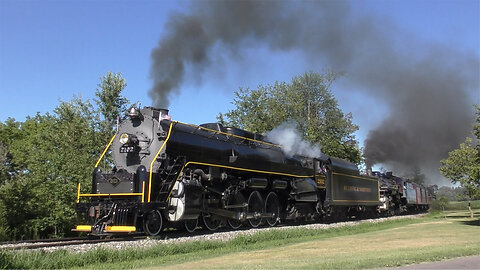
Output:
[[127, 149]]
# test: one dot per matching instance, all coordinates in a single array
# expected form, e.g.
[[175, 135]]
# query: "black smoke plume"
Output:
[[428, 88]]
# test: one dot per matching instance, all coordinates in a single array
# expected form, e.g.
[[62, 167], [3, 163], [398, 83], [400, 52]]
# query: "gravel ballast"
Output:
[[206, 236]]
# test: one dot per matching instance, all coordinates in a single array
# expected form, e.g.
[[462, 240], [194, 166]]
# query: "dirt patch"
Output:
[[429, 223]]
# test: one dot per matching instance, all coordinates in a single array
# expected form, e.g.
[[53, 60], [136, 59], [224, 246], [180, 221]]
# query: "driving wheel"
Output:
[[153, 223], [255, 207]]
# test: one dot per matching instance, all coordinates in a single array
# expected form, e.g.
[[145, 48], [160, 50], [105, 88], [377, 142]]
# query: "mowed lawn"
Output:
[[432, 240]]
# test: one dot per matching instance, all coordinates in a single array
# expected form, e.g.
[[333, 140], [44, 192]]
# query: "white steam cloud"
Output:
[[289, 138]]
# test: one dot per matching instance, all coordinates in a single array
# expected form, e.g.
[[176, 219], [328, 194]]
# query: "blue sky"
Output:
[[53, 50]]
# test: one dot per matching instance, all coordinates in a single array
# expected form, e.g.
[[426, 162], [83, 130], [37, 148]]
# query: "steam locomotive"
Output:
[[172, 174]]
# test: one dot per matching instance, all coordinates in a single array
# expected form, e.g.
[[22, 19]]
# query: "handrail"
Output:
[[229, 134], [105, 150], [78, 192], [110, 194], [155, 158]]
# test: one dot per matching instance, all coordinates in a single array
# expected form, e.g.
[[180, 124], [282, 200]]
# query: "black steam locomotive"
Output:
[[172, 174]]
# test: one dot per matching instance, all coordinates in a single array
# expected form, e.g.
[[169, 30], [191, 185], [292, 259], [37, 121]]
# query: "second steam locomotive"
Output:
[[171, 174]]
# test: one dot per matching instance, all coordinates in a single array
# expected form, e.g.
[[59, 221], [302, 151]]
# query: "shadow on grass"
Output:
[[458, 216], [471, 222]]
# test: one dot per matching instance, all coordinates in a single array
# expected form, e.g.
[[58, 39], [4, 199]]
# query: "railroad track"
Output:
[[170, 236], [60, 242], [166, 235], [72, 241]]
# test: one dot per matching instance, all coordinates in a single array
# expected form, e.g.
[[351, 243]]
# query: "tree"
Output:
[[463, 164], [443, 201], [47, 155], [9, 132], [306, 101], [4, 231], [476, 127], [110, 103], [453, 193], [25, 194]]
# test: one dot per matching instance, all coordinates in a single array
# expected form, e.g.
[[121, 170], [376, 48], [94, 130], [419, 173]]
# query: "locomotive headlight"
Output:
[[124, 138]]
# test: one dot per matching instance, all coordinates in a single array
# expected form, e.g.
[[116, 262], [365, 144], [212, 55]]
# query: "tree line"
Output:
[[44, 157], [462, 165], [308, 102]]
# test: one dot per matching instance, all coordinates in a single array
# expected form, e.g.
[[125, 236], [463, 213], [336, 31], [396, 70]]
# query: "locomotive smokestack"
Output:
[[427, 88], [164, 114], [164, 111]]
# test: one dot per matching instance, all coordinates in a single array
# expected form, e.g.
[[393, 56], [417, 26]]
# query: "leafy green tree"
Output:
[[453, 193], [308, 102], [25, 193], [4, 231], [443, 201], [476, 127], [463, 164], [3, 162], [110, 103], [47, 155], [9, 132]]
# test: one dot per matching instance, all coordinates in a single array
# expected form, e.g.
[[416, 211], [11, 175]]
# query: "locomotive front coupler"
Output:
[[99, 227]]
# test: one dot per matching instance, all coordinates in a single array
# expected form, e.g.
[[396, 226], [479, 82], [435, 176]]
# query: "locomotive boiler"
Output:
[[170, 174]]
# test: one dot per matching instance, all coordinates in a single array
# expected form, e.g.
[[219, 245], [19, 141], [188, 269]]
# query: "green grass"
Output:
[[455, 205], [433, 239], [463, 205], [184, 252], [388, 243]]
